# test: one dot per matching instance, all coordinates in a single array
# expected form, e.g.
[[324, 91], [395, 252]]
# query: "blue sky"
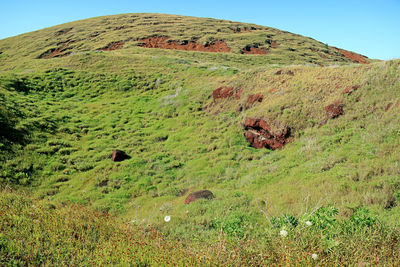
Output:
[[369, 27]]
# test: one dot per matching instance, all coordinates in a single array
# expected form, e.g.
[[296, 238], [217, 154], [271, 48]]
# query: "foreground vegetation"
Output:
[[332, 191], [42, 232]]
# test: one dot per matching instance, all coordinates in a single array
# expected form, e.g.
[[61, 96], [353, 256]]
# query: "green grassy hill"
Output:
[[146, 84]]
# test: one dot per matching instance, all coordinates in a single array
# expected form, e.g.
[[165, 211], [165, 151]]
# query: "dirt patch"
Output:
[[222, 92], [254, 98], [56, 52], [354, 57], [259, 134], [351, 89], [62, 31], [334, 110], [113, 46], [206, 194], [253, 49], [164, 43]]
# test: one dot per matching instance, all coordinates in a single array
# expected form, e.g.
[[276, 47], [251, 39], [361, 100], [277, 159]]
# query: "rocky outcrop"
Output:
[[119, 155], [206, 194], [334, 110], [191, 45], [254, 98], [222, 92], [260, 135]]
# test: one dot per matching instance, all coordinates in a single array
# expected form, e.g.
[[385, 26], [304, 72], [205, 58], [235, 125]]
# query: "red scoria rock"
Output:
[[259, 135], [334, 110], [254, 98], [222, 92]]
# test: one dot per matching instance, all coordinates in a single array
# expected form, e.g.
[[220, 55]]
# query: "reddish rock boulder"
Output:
[[259, 135], [334, 110], [119, 155], [254, 98], [207, 194], [222, 92]]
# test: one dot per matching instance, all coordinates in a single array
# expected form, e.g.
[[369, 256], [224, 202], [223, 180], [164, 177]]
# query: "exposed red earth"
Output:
[[222, 92], [354, 57], [206, 194], [334, 110], [113, 46], [164, 43], [56, 52], [259, 134]]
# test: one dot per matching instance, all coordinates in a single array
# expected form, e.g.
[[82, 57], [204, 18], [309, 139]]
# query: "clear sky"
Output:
[[368, 27]]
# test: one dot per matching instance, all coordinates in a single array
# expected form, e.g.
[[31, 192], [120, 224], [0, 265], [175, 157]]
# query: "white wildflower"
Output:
[[308, 223], [314, 256], [283, 233], [167, 218]]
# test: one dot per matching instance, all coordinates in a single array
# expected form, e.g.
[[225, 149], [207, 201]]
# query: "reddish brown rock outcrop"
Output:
[[254, 98], [222, 92], [119, 155], [334, 110], [259, 134], [164, 43], [207, 194]]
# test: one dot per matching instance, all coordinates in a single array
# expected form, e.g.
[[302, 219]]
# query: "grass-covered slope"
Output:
[[61, 117], [130, 31]]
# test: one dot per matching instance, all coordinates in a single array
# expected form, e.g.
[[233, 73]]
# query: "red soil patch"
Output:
[[222, 92], [56, 52], [164, 43], [254, 98], [354, 57], [113, 46], [334, 110], [259, 135], [351, 89], [206, 194]]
